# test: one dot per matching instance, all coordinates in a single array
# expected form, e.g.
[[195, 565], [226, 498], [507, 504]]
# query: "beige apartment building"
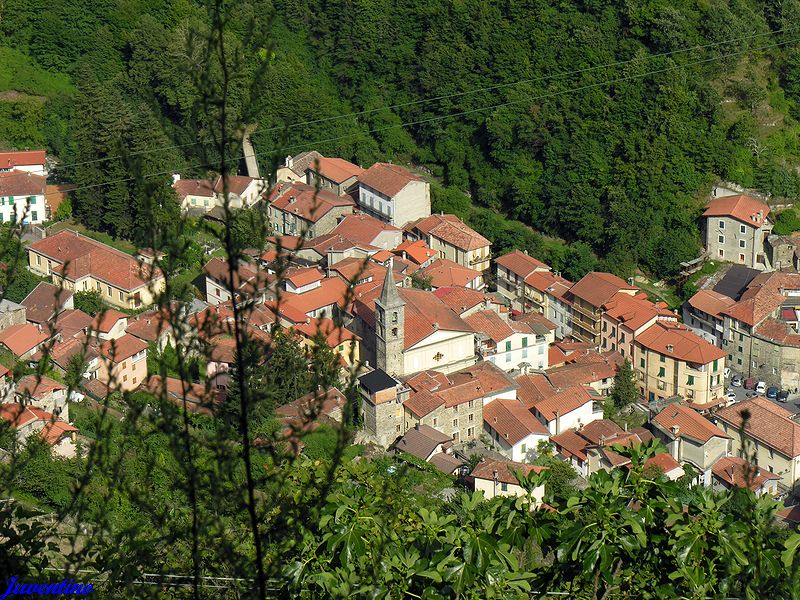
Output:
[[454, 240], [669, 360], [587, 297], [511, 271], [82, 264], [393, 194]]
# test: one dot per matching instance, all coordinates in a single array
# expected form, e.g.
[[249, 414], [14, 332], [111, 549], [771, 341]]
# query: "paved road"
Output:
[[792, 404]]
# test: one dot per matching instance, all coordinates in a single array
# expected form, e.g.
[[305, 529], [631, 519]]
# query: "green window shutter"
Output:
[[508, 346], [716, 365], [661, 371], [641, 363], [525, 342], [690, 380]]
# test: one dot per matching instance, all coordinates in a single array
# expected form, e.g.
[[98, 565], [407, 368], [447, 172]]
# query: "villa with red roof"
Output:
[[23, 193], [368, 231], [302, 209], [123, 363], [43, 393], [393, 194], [508, 344], [28, 161], [588, 297], [511, 270], [514, 430], [735, 230], [30, 420], [80, 264]]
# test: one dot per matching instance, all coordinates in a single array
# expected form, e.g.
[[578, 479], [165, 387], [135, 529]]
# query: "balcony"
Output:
[[590, 312]]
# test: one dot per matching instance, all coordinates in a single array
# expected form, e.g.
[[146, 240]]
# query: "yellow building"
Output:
[[344, 343], [670, 360], [452, 239], [82, 264]]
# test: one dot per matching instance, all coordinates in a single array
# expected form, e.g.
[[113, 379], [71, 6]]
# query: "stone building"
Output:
[[382, 406], [736, 229]]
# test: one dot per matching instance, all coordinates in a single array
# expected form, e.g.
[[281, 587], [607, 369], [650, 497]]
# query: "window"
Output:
[[524, 353], [397, 429], [525, 342], [134, 380], [741, 257], [739, 361], [641, 363], [721, 253], [622, 338], [742, 243], [470, 432], [721, 239], [662, 385], [605, 326], [742, 229], [32, 199], [394, 317], [455, 422], [124, 365], [34, 215], [524, 448], [124, 378], [690, 380], [722, 224], [715, 366], [662, 358], [470, 417], [741, 339], [194, 201], [504, 486], [661, 371], [508, 346], [508, 358]]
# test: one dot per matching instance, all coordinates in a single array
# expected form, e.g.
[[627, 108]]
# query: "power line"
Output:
[[453, 95], [452, 115]]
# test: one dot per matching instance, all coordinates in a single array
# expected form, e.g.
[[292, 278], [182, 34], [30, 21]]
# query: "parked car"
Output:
[[730, 397], [772, 392], [727, 372], [750, 383], [761, 387], [736, 381], [783, 396]]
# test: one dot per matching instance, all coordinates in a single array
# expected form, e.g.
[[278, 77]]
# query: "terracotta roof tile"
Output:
[[746, 209], [711, 302], [417, 251], [491, 324], [194, 187], [599, 430], [505, 470], [446, 273], [71, 322], [321, 402], [237, 184], [520, 263], [461, 299], [512, 420], [22, 338], [597, 288], [569, 443], [122, 348], [632, 311], [305, 201], [21, 158], [584, 371], [44, 301], [104, 321], [423, 402], [678, 342], [533, 389], [363, 228], [331, 291], [663, 462], [763, 296], [21, 183], [53, 431], [31, 386], [388, 179], [563, 402], [451, 230], [302, 276], [769, 423], [549, 283], [332, 333], [335, 169], [690, 423], [735, 471]]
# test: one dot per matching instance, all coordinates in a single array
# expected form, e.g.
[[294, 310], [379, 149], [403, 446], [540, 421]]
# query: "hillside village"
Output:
[[457, 351]]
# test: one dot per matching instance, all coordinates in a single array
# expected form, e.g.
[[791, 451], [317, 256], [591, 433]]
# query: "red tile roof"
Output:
[[22, 338], [428, 380], [300, 277], [122, 348], [44, 301], [423, 402], [585, 370], [520, 263], [505, 470], [246, 278], [492, 379], [677, 342], [194, 187], [549, 283], [632, 311], [689, 422], [535, 318], [777, 331], [381, 256], [388, 179], [105, 321], [53, 431], [446, 273], [711, 302], [332, 291], [237, 184], [86, 256], [746, 209], [461, 299], [417, 251], [18, 415], [332, 333], [769, 423], [62, 352], [149, 326], [600, 430], [452, 230], [663, 462], [735, 471], [31, 386], [597, 288], [569, 443], [21, 183], [362, 228], [533, 389], [71, 322], [335, 169], [21, 158], [563, 402], [305, 201], [321, 402], [512, 420], [491, 324], [763, 296]]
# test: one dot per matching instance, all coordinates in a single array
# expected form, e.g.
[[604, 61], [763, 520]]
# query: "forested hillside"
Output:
[[536, 133]]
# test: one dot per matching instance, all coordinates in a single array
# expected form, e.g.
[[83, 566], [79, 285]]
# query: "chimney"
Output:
[[436, 326], [292, 199], [289, 162], [670, 348], [558, 423], [176, 177]]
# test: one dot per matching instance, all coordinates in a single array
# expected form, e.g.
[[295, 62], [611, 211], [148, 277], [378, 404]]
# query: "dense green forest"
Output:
[[618, 167]]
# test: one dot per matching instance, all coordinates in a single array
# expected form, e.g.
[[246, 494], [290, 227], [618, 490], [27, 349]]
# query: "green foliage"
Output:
[[19, 283], [421, 281], [624, 391], [90, 302], [64, 210], [786, 222]]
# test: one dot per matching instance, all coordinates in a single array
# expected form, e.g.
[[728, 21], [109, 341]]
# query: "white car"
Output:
[[727, 372], [761, 387], [730, 397]]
